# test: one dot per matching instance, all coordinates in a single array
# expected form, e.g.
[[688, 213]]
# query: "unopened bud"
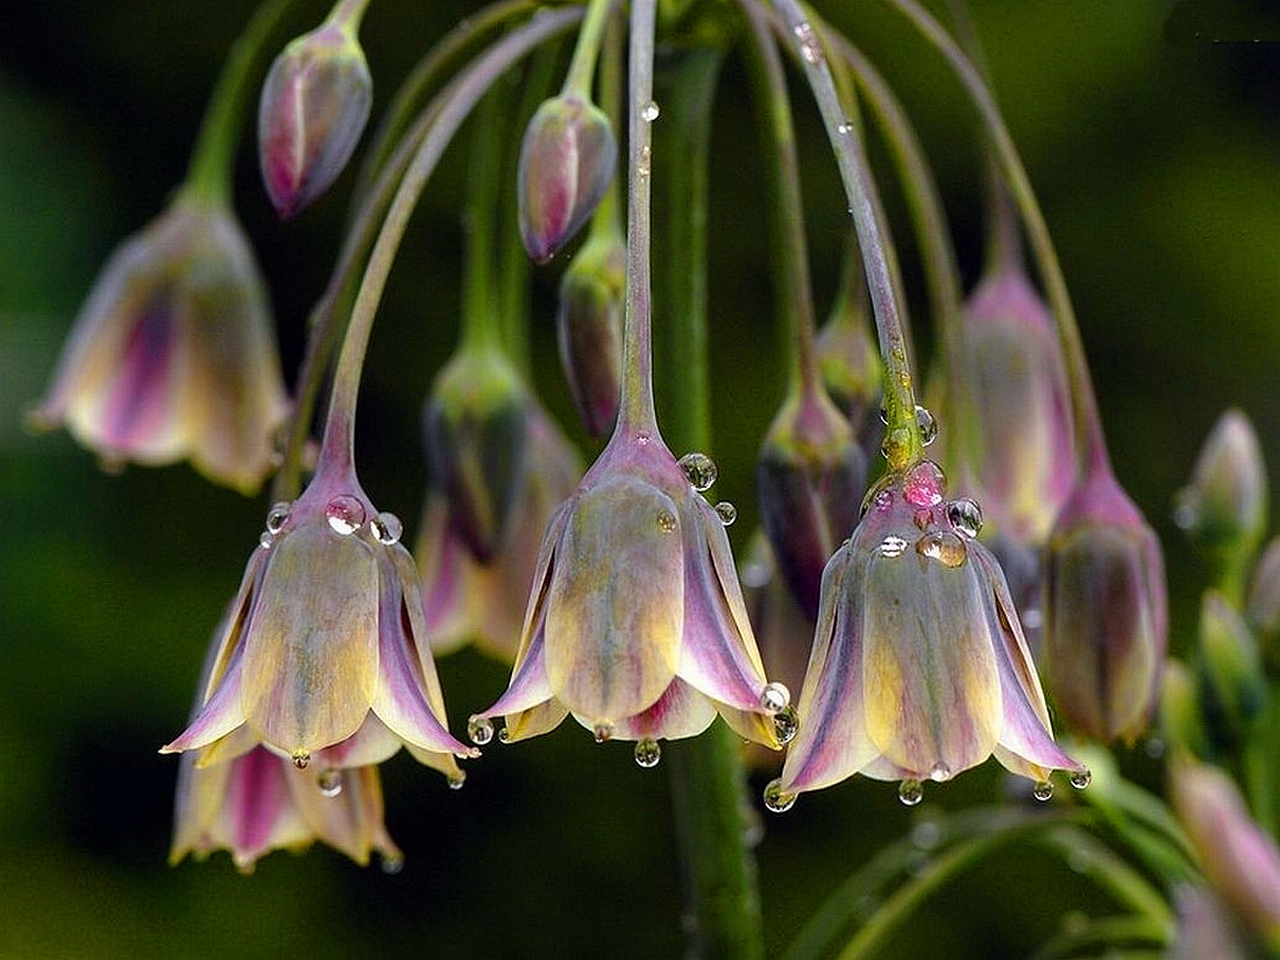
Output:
[[1231, 678], [567, 161], [1263, 603], [314, 106], [850, 365], [589, 329], [1181, 721]]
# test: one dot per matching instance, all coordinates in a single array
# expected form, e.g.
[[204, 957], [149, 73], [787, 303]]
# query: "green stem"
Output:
[[209, 174], [1099, 863], [348, 14], [582, 68], [903, 443], [480, 324], [607, 220], [1105, 937], [707, 784], [1092, 449]]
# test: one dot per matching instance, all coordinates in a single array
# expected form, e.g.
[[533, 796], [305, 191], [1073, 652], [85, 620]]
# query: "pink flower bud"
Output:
[[315, 103], [589, 330], [567, 162]]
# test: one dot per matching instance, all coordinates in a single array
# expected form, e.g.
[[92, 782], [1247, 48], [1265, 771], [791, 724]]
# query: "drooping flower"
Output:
[[483, 603], [323, 657], [1105, 609], [636, 623], [259, 802], [172, 356], [919, 667], [314, 106]]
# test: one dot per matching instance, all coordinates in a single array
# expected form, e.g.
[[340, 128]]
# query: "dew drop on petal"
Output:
[[1043, 790], [504, 735], [667, 521], [965, 516], [265, 540], [923, 484], [786, 723], [884, 500], [387, 528], [480, 730], [330, 782], [910, 792], [928, 425], [345, 513], [301, 759], [774, 697], [775, 799], [1081, 779], [940, 772], [648, 753], [650, 112], [943, 546], [892, 547], [456, 780], [726, 511], [277, 516], [391, 865], [603, 732], [700, 470]]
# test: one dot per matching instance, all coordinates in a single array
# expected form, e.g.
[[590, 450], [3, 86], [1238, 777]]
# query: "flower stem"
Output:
[[578, 82], [348, 14], [480, 324], [903, 443], [209, 173]]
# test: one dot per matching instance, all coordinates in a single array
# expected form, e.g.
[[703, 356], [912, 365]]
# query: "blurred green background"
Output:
[[1157, 159]]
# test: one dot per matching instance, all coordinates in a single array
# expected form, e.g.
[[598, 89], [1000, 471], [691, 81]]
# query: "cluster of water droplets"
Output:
[[945, 526], [701, 472], [345, 514], [807, 39]]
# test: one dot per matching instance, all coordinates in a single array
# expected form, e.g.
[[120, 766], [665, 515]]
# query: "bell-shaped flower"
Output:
[[323, 657], [810, 476], [636, 623], [259, 802], [1239, 859], [475, 424], [1106, 613], [919, 667], [173, 355], [567, 161], [1013, 417], [483, 603], [1205, 930], [589, 329], [314, 106]]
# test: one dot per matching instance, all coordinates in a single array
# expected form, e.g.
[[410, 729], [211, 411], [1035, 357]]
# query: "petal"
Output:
[[235, 744], [258, 814], [197, 803], [537, 720], [615, 610], [220, 715], [681, 711], [311, 647], [371, 744]]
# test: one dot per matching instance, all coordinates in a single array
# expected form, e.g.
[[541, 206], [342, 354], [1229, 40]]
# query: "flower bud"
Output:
[[1224, 508], [810, 476], [172, 355], [589, 330], [1233, 686], [1204, 930], [850, 365], [1263, 603], [475, 427], [1016, 430], [315, 103], [1105, 613], [1181, 722], [567, 161]]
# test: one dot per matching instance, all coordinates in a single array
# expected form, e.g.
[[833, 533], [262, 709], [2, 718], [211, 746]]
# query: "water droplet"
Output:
[[940, 773], [1043, 790], [943, 546], [1155, 747], [700, 469], [1032, 619], [456, 780], [910, 792], [265, 540], [650, 112], [648, 753], [301, 759], [786, 723], [480, 730], [884, 405], [643, 439], [884, 500], [774, 697], [392, 864], [965, 516], [727, 512], [845, 128], [924, 484], [922, 518], [345, 513], [1082, 779], [330, 782], [775, 799], [603, 732], [928, 425], [277, 516], [504, 735], [667, 521], [387, 528], [643, 166], [754, 575], [926, 834], [892, 547], [1186, 511], [810, 48]]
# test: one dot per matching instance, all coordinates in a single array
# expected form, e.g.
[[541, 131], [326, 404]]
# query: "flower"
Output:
[[1204, 929], [919, 667], [259, 802], [1240, 861], [483, 603], [567, 161], [323, 656], [589, 329], [1105, 612], [172, 355], [314, 106], [636, 623]]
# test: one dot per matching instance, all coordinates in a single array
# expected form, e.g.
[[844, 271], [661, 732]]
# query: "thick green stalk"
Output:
[[582, 68], [209, 173], [480, 325], [707, 783]]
